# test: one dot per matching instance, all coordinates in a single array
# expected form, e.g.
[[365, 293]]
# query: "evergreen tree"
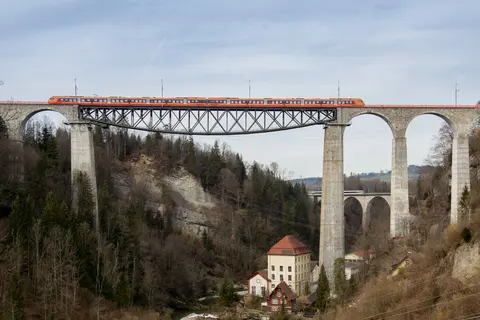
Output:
[[227, 294], [352, 285], [85, 199], [464, 203], [15, 303], [340, 281], [239, 170], [323, 291], [214, 167], [54, 213], [191, 157], [206, 240], [21, 220]]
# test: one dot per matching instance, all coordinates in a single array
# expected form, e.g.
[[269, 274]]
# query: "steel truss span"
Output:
[[207, 121]]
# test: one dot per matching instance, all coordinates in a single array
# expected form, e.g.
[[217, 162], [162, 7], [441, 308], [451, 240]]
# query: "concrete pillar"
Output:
[[399, 211], [332, 220], [460, 171], [83, 160]]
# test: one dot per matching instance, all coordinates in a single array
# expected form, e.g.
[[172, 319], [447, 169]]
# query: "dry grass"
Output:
[[426, 289]]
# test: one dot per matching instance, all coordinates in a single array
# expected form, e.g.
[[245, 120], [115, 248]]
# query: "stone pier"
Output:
[[83, 160], [332, 222], [399, 210], [460, 169]]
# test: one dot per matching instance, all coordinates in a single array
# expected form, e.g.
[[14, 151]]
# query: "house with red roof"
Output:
[[282, 295], [289, 261], [259, 284]]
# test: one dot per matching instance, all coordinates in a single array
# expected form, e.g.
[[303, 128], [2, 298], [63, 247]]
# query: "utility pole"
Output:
[[456, 94], [249, 90], [338, 89], [76, 88], [162, 88]]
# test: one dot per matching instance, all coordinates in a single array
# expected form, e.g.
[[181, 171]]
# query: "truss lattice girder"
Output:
[[208, 121]]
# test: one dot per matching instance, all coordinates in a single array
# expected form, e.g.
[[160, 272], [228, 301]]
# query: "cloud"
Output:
[[384, 52]]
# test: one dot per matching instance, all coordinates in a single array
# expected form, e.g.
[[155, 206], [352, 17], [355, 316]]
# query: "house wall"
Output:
[[255, 285], [278, 269], [349, 271], [275, 302], [299, 271], [315, 274], [303, 273]]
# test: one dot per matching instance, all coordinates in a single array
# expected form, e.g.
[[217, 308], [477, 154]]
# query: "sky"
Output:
[[384, 52]]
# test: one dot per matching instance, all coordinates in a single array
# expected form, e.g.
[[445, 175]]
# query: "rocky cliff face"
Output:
[[192, 207], [467, 263]]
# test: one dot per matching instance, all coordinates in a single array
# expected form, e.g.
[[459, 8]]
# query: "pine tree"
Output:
[[340, 280], [323, 291], [352, 285], [15, 299], [215, 166], [21, 220], [464, 203], [240, 171], [227, 294]]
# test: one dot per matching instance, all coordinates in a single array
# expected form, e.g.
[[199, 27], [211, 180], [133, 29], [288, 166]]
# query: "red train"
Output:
[[223, 103]]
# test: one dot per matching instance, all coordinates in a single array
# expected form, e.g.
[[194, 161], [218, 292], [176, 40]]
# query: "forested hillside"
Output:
[[49, 262]]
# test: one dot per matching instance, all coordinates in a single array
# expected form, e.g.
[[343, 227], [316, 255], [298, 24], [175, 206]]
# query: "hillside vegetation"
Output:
[[148, 254]]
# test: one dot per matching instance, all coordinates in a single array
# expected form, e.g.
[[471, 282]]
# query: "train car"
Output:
[[199, 102]]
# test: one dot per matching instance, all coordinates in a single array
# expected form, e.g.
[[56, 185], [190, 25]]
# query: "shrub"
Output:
[[452, 236]]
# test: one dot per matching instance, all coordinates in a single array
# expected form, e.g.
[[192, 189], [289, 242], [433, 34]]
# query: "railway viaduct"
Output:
[[365, 200], [460, 119]]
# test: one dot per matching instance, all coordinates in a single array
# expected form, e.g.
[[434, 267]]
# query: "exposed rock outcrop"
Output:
[[466, 263], [192, 206]]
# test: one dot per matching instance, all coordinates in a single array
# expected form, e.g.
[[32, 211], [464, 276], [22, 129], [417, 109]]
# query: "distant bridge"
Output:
[[318, 193], [365, 199]]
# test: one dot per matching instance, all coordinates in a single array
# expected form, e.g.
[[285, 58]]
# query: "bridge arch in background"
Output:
[[375, 217], [353, 213]]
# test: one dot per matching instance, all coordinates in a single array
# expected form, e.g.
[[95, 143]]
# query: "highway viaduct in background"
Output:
[[241, 119]]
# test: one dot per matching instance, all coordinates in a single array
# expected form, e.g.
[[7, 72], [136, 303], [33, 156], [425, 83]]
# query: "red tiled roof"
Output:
[[289, 246], [263, 273], [282, 286]]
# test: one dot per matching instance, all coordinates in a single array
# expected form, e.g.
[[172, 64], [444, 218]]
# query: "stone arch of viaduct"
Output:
[[398, 118], [15, 117], [365, 201]]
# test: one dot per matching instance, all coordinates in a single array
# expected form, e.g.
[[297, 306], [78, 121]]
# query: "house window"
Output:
[[289, 278], [275, 301], [289, 268], [281, 268], [273, 276], [254, 290], [273, 286], [264, 292], [273, 268], [281, 277]]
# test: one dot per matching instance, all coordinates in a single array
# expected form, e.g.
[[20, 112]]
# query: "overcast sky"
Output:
[[409, 51]]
